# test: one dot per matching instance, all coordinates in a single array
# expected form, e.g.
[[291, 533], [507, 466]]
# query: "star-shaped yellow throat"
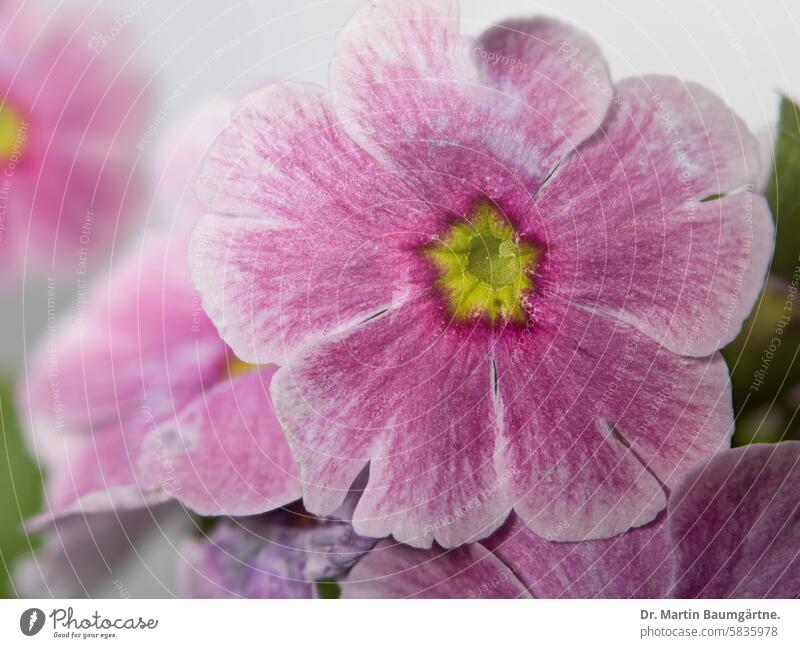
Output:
[[485, 270]]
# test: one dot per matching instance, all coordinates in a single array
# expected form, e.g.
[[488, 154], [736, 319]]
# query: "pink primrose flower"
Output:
[[486, 272]]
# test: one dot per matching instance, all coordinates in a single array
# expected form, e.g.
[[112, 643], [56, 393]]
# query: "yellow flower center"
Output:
[[11, 133], [484, 269]]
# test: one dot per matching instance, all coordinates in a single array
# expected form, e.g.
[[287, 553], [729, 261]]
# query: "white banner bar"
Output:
[[386, 624]]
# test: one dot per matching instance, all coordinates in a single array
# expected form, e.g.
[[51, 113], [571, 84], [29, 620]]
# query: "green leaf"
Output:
[[764, 359], [20, 490], [766, 425], [329, 589], [783, 191]]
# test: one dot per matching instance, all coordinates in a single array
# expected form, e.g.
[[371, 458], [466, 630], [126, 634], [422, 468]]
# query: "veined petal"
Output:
[[464, 119], [735, 523], [597, 419], [555, 84], [634, 564], [285, 159], [397, 571], [225, 453], [271, 290], [628, 233], [414, 398]]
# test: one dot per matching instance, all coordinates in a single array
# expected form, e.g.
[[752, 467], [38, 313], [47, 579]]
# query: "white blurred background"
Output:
[[745, 51]]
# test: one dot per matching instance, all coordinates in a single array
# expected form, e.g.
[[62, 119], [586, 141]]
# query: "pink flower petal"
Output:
[[326, 230], [635, 564], [591, 419], [138, 350], [396, 571], [400, 75], [271, 290], [412, 396], [555, 83], [225, 454], [736, 525], [625, 231], [596, 418], [463, 119], [285, 159], [180, 154], [134, 354], [94, 473]]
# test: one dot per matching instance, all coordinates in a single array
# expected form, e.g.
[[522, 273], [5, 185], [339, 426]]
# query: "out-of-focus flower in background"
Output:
[[138, 405], [71, 114], [286, 554]]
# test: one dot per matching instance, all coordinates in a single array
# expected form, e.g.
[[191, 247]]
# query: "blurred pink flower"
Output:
[[129, 396], [71, 117], [730, 531], [134, 400], [486, 272]]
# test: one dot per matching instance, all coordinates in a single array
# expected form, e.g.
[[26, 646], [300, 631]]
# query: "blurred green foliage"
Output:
[[783, 191], [764, 361], [329, 589], [20, 490]]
